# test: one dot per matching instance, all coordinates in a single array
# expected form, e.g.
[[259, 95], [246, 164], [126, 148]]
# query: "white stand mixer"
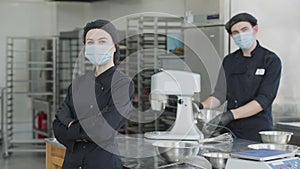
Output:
[[184, 85]]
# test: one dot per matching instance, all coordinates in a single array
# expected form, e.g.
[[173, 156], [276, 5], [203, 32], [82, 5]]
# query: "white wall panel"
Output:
[[24, 19], [71, 15]]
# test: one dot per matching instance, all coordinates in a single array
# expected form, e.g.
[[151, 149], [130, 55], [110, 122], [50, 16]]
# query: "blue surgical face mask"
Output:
[[244, 40], [98, 54]]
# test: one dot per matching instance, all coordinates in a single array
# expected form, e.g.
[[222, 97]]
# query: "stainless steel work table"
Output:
[[137, 152]]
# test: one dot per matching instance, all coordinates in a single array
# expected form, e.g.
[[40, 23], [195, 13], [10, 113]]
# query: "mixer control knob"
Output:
[[180, 101]]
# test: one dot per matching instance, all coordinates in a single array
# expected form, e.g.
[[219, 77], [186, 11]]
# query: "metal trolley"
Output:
[[70, 46], [30, 88], [146, 40]]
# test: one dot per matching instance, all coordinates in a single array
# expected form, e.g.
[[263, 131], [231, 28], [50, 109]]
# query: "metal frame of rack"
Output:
[[146, 39], [2, 89], [21, 69], [69, 49]]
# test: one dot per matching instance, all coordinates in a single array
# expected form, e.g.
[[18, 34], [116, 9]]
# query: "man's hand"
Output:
[[220, 120]]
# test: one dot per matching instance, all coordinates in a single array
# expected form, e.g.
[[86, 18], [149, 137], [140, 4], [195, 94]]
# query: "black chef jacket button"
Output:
[[83, 146]]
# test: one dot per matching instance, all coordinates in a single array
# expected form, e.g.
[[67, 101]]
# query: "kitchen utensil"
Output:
[[276, 137], [217, 159], [226, 137], [217, 147], [284, 147], [174, 151]]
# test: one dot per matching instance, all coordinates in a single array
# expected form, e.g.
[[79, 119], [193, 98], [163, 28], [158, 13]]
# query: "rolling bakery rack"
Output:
[[146, 40], [30, 86], [39, 72]]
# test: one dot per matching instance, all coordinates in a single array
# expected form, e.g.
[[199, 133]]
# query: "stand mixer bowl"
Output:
[[204, 116], [207, 115]]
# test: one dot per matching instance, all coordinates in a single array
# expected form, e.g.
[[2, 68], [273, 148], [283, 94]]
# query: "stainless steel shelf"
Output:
[[34, 63], [34, 94], [32, 81], [34, 69], [40, 150], [29, 141]]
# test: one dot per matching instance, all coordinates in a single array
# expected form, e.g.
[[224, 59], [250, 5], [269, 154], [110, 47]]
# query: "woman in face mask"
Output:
[[101, 47], [97, 104], [248, 81]]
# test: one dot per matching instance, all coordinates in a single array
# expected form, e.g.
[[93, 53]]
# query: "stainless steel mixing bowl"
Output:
[[217, 159], [276, 137], [174, 151], [207, 115], [283, 147]]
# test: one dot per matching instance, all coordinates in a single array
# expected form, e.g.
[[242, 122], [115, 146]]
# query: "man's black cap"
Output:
[[240, 18], [110, 29]]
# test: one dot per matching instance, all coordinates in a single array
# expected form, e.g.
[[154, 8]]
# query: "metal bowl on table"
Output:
[[217, 159], [283, 147], [276, 137], [173, 151]]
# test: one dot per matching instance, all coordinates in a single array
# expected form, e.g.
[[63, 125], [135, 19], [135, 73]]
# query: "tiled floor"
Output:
[[21, 160]]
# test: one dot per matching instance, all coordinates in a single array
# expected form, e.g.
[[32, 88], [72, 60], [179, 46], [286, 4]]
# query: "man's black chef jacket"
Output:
[[246, 79], [99, 107]]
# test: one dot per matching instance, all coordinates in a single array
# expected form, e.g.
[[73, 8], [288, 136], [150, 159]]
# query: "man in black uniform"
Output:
[[97, 104], [248, 80]]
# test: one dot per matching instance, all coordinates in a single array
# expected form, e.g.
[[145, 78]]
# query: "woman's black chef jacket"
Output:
[[246, 79], [113, 91]]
